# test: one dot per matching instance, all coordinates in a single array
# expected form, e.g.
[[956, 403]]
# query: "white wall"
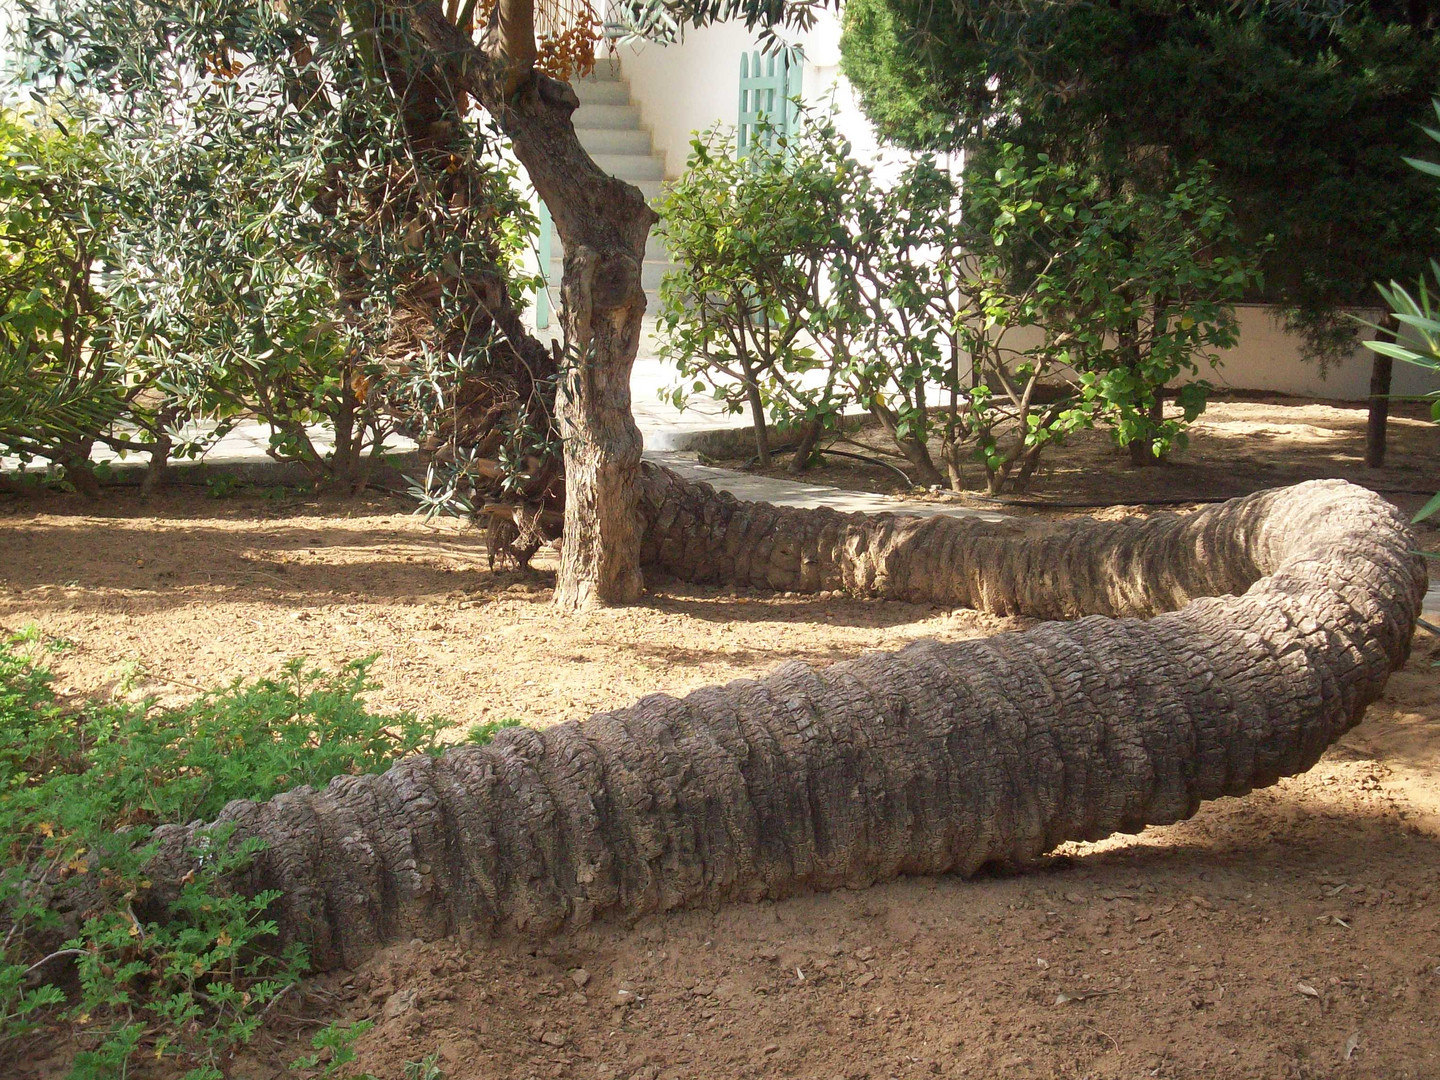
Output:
[[1269, 359], [685, 87], [694, 84]]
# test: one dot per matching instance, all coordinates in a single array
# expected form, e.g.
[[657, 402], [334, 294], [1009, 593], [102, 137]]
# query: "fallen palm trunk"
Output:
[[937, 758]]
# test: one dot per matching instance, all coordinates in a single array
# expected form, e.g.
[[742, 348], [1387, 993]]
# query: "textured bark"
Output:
[[1377, 422], [1297, 603]]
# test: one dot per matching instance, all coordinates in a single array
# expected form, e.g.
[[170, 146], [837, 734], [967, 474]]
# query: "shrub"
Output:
[[60, 391], [944, 309], [758, 242], [290, 238], [82, 787], [1418, 312]]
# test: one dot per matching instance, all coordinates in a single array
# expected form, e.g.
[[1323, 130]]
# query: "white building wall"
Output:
[[694, 84], [1267, 358]]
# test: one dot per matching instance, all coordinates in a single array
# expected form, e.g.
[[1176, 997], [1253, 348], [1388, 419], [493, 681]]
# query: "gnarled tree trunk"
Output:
[[1378, 418], [603, 223], [1297, 604]]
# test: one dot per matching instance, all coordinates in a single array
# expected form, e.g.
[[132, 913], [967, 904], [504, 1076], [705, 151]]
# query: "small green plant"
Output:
[[82, 787], [427, 1068], [334, 1047], [484, 734], [222, 485]]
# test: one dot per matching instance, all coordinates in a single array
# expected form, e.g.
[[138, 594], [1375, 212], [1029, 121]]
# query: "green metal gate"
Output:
[[769, 83]]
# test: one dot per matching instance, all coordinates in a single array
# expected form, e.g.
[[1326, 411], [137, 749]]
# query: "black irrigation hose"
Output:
[[1047, 504], [872, 461], [846, 454]]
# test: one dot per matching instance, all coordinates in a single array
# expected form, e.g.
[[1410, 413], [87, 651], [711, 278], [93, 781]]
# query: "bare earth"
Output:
[[1292, 933]]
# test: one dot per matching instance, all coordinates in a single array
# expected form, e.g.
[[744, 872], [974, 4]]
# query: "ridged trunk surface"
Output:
[[1294, 606]]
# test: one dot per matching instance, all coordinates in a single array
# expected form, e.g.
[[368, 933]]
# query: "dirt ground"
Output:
[[1291, 933]]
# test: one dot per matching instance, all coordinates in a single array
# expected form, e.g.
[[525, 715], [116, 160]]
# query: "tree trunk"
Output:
[[74, 458], [943, 757], [600, 556], [603, 223], [809, 437], [757, 412], [914, 449], [158, 470], [1142, 447], [345, 459], [1381, 367]]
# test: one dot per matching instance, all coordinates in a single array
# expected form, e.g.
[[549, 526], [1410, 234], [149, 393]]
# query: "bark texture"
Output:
[[1294, 606]]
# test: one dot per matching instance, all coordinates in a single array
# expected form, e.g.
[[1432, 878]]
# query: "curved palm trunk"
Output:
[[938, 758]]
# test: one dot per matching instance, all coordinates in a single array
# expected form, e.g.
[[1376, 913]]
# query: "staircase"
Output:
[[608, 125]]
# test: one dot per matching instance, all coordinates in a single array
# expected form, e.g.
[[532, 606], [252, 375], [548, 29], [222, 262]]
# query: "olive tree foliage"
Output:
[[281, 246], [976, 323]]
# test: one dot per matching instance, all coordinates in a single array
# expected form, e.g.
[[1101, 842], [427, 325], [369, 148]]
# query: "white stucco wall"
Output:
[[1269, 359], [691, 85]]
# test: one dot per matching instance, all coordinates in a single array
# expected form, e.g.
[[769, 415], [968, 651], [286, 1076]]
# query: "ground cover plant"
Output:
[[82, 786]]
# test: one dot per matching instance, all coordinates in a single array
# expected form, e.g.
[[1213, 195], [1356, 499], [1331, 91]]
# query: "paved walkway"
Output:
[[769, 489]]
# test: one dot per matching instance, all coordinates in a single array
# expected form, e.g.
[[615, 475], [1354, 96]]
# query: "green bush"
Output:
[[82, 787], [60, 392], [759, 244], [803, 286], [298, 236], [1419, 313]]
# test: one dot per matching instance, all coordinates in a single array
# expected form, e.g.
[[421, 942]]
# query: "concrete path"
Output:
[[750, 488]]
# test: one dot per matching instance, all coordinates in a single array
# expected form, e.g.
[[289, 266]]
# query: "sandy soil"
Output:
[[1292, 933]]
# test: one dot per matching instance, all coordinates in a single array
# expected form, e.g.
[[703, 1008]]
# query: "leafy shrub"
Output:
[[299, 221], [60, 392], [1419, 313], [82, 787], [756, 242], [944, 309]]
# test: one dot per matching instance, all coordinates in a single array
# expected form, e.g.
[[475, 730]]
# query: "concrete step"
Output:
[[614, 140], [601, 92], [631, 167], [606, 116]]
